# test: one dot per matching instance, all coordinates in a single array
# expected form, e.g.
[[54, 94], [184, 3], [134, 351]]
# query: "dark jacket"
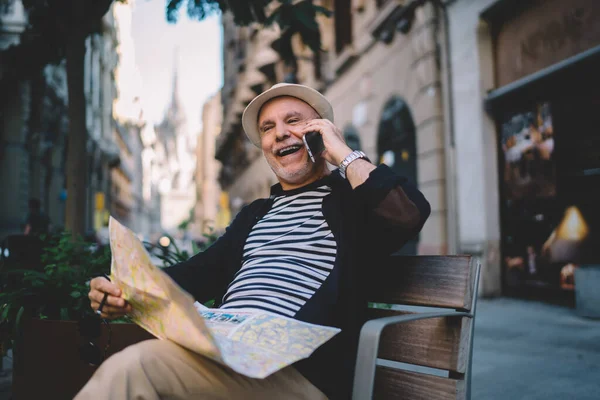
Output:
[[369, 223]]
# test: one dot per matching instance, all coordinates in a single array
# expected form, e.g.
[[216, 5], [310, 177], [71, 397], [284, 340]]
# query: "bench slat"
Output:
[[432, 281], [435, 343], [393, 383]]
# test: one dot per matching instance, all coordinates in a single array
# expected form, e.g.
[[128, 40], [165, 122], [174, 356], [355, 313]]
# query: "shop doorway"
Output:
[[549, 141], [396, 146]]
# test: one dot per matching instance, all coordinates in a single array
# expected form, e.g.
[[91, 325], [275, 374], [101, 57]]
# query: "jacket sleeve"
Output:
[[206, 274], [394, 209]]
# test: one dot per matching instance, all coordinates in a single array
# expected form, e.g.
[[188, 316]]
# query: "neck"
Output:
[[291, 186]]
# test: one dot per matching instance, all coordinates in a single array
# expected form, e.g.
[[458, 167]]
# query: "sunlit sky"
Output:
[[199, 60]]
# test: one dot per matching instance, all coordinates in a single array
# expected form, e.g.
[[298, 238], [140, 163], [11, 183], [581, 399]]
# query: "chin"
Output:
[[292, 174]]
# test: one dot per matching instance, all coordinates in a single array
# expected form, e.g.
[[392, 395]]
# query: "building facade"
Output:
[[208, 213], [34, 127], [101, 62], [135, 137], [250, 66], [525, 99], [385, 86]]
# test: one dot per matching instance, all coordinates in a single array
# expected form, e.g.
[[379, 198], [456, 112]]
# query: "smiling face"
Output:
[[280, 122]]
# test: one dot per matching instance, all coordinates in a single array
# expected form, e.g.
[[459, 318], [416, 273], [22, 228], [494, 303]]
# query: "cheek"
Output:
[[266, 144]]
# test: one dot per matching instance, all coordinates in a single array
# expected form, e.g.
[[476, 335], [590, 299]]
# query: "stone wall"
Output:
[[476, 148], [407, 68]]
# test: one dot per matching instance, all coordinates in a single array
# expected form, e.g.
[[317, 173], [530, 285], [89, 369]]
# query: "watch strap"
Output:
[[355, 155]]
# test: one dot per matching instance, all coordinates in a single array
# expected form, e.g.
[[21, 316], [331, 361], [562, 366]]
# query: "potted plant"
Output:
[[41, 314], [43, 309]]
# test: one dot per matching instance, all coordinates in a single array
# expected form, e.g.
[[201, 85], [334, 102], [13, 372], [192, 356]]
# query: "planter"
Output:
[[587, 295], [47, 362]]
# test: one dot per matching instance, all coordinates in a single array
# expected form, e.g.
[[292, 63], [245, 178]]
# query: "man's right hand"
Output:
[[115, 306]]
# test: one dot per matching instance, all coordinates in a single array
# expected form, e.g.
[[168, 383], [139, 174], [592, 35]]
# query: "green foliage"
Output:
[[297, 18], [244, 11], [293, 17], [56, 290]]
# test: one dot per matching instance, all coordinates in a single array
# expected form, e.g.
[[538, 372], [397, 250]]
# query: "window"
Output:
[[7, 7], [343, 25]]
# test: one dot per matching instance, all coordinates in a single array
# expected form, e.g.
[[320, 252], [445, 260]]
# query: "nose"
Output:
[[282, 133]]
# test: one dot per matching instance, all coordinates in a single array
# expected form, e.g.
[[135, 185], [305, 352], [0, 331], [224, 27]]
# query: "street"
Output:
[[523, 350]]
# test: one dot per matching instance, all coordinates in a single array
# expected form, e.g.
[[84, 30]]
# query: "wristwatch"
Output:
[[355, 155]]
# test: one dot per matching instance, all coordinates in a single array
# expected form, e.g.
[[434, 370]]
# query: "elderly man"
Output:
[[306, 252]]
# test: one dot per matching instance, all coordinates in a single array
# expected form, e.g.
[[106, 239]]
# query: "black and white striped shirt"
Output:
[[287, 256]]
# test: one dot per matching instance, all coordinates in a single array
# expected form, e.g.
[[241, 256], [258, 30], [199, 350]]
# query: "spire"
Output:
[[175, 112], [175, 94], [174, 117]]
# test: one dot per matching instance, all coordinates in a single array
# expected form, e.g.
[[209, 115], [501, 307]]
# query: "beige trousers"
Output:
[[159, 369]]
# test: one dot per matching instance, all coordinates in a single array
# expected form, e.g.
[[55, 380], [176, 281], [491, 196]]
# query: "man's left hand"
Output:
[[336, 148]]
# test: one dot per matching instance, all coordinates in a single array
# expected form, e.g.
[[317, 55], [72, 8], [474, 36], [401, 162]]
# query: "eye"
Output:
[[266, 129], [293, 120]]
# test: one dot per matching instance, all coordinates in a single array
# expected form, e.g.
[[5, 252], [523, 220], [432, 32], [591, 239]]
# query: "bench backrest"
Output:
[[442, 343]]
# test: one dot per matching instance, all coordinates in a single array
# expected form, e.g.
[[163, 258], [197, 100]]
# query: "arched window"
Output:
[[396, 147], [352, 138], [396, 139]]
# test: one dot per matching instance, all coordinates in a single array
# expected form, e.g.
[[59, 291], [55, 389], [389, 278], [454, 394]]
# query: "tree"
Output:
[[293, 17], [58, 29]]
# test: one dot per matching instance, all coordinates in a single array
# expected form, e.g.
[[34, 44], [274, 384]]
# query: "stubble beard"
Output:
[[289, 175]]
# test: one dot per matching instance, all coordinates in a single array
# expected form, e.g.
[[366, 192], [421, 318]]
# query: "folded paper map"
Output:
[[252, 343]]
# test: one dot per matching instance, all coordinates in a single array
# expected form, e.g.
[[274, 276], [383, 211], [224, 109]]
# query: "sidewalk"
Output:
[[530, 350], [523, 350]]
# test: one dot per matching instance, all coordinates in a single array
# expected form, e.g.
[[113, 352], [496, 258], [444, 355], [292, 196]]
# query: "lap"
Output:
[[175, 372]]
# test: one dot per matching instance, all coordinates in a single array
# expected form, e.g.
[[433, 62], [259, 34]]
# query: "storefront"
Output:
[[546, 108]]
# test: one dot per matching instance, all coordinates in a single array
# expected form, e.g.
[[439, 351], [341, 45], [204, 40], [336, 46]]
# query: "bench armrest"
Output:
[[368, 347]]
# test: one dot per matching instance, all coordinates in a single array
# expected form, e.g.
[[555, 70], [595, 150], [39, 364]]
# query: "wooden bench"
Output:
[[440, 339], [48, 350]]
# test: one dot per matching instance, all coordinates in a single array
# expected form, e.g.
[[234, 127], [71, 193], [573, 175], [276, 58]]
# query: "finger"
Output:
[[126, 309], [110, 310], [106, 286], [115, 315], [114, 301]]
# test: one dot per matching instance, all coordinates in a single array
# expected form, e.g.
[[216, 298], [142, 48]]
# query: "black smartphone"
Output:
[[314, 144]]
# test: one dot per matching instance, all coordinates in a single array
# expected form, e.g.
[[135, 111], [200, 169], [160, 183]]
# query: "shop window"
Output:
[[547, 207], [343, 25]]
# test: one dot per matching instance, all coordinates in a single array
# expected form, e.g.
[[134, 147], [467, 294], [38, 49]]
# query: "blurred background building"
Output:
[[209, 215], [33, 126], [176, 148], [33, 135]]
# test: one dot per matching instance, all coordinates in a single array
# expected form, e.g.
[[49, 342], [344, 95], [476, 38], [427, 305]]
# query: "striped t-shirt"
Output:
[[287, 256]]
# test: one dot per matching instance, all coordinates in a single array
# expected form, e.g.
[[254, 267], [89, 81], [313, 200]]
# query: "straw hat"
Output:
[[308, 95]]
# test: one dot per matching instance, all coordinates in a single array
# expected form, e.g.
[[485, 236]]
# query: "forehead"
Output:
[[282, 105]]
